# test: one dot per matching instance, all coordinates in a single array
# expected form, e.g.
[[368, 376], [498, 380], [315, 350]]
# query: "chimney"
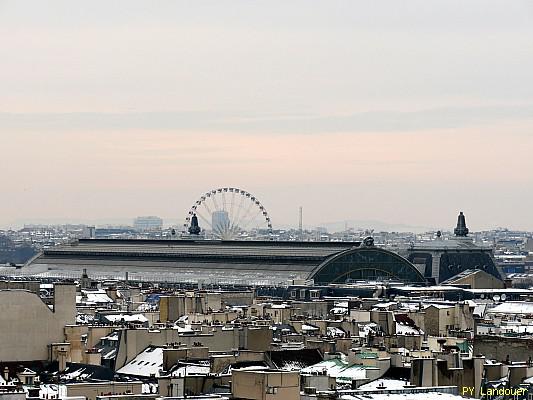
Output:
[[65, 302]]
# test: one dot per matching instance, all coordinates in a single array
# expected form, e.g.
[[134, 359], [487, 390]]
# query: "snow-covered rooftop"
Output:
[[402, 396], [93, 297], [512, 307], [338, 369], [148, 362], [126, 318], [384, 384], [402, 329]]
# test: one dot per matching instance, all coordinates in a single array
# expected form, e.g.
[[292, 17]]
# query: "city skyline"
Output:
[[329, 226], [250, 200], [402, 113]]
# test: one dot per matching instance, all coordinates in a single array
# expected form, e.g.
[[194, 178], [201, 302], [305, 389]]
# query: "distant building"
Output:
[[115, 232], [220, 221], [440, 259], [529, 245], [148, 223], [16, 253], [88, 232]]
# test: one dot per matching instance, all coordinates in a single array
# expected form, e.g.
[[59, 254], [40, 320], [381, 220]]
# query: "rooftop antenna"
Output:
[[300, 226]]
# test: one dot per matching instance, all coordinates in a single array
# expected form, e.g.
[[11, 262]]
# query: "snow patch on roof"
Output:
[[512, 307], [147, 363]]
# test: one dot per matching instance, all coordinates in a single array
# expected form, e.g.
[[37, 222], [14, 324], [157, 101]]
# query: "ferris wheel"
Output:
[[228, 212]]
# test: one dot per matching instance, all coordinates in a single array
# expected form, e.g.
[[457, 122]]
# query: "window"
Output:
[[367, 264], [272, 390]]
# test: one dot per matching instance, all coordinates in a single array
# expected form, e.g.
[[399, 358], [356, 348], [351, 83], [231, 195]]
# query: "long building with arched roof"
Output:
[[223, 262]]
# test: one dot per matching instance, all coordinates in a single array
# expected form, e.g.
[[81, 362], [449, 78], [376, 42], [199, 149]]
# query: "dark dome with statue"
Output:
[[194, 229], [441, 259]]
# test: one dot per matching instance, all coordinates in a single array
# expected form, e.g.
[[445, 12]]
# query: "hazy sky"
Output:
[[399, 111]]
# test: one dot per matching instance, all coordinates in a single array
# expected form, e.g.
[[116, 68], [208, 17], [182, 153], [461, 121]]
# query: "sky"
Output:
[[399, 111]]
